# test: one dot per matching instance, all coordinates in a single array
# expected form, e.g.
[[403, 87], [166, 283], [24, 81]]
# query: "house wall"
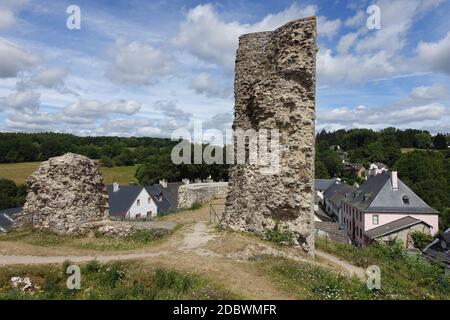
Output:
[[431, 219], [404, 235], [357, 221], [146, 205]]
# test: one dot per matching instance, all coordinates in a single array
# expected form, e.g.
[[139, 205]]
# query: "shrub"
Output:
[[106, 162], [280, 235], [420, 239], [195, 206], [144, 236]]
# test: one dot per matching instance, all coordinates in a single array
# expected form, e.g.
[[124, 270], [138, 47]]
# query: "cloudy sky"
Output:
[[145, 68]]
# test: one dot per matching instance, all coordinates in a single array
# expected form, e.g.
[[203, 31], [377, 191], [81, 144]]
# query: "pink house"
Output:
[[384, 207]]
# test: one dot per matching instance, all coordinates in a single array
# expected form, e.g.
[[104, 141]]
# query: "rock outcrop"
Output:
[[275, 89], [65, 195]]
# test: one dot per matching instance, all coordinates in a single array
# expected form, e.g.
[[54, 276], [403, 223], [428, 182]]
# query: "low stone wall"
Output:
[[188, 194]]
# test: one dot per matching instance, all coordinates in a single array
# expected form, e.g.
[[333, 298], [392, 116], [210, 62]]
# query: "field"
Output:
[[18, 172]]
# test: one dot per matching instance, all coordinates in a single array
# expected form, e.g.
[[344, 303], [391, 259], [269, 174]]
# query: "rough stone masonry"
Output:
[[65, 195], [275, 89]]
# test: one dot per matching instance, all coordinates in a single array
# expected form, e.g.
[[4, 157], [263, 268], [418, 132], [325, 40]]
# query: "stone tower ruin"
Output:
[[275, 89]]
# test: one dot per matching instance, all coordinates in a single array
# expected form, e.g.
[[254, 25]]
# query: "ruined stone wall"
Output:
[[201, 193], [65, 195], [275, 89]]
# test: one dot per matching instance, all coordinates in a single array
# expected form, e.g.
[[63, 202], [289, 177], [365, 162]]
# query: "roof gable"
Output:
[[390, 200], [121, 201]]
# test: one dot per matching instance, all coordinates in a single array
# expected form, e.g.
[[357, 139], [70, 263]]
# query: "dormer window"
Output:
[[160, 197], [405, 199]]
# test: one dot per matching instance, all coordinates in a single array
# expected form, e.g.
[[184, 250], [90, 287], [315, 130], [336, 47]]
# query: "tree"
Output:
[[321, 171], [440, 142], [10, 195], [106, 162], [423, 140]]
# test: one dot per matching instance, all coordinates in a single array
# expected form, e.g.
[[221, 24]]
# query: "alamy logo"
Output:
[[374, 19], [74, 19], [373, 277], [74, 280], [260, 148]]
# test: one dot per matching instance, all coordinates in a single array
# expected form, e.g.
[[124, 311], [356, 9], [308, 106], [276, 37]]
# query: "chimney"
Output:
[[163, 183], [394, 180], [116, 187]]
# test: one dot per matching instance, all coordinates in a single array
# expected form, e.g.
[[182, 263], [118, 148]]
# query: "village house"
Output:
[[320, 185], [377, 168], [355, 169], [385, 201], [135, 202], [333, 197]]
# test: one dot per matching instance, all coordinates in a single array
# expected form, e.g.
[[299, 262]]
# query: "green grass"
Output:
[[310, 282], [116, 281], [18, 172], [139, 239], [403, 276]]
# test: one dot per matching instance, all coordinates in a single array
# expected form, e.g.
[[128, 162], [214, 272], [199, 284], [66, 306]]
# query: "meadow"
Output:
[[18, 172]]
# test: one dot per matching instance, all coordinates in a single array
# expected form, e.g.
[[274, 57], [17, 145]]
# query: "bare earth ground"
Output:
[[197, 246]]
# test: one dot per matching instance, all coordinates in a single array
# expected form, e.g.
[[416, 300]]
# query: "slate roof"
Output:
[[336, 192], [6, 216], [323, 184], [439, 249], [121, 201], [376, 195], [394, 226], [341, 194], [322, 215]]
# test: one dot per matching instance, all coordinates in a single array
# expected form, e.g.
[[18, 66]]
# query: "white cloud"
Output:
[[382, 117], [50, 77], [14, 59], [434, 56], [137, 63], [346, 42], [8, 10], [208, 37], [434, 92], [22, 100], [357, 20], [96, 108], [368, 55], [203, 83], [327, 28]]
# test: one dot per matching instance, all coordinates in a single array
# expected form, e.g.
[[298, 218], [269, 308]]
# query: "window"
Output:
[[149, 200], [405, 199], [138, 202], [375, 219]]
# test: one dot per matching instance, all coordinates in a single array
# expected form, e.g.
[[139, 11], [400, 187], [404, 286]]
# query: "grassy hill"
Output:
[[18, 172]]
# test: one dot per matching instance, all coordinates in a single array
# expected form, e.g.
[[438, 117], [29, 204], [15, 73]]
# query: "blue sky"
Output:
[[146, 68]]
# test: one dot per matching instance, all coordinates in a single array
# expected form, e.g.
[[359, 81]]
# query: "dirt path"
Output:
[[199, 247], [346, 266]]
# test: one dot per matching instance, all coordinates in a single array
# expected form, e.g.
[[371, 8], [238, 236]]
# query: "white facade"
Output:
[[143, 207]]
